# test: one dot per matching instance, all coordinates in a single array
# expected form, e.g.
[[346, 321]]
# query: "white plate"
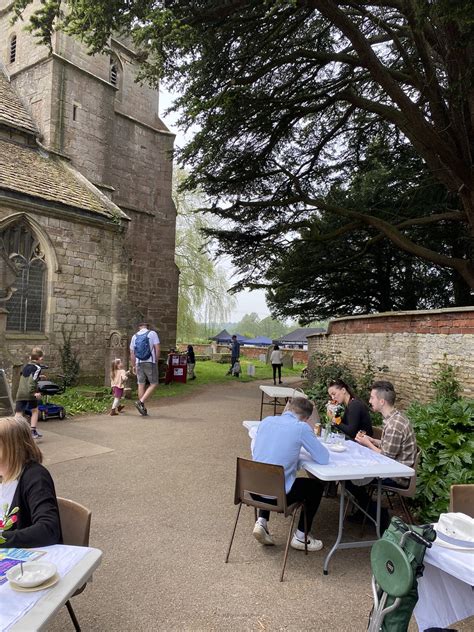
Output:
[[336, 447], [34, 574]]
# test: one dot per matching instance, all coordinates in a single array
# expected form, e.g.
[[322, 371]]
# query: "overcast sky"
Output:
[[246, 302]]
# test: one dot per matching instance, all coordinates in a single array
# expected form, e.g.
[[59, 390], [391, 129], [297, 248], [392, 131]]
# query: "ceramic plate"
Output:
[[337, 448], [34, 574], [47, 584]]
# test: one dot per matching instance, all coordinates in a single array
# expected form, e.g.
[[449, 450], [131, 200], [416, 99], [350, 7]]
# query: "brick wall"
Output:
[[409, 343], [299, 356]]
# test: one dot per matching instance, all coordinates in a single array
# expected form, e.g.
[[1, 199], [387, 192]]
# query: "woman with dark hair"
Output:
[[276, 360], [356, 414], [191, 360], [28, 487]]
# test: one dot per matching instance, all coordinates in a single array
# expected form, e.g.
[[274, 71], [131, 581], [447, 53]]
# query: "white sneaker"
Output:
[[262, 535], [313, 544]]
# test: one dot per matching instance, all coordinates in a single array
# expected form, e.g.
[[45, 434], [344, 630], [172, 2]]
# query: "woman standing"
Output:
[[28, 487], [276, 360], [356, 414]]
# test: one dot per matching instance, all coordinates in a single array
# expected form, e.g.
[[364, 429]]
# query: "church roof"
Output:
[[28, 171], [12, 111]]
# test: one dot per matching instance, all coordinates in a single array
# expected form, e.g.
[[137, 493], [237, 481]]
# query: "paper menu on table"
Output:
[[12, 557]]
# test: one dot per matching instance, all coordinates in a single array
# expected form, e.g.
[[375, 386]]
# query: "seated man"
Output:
[[279, 441], [398, 442]]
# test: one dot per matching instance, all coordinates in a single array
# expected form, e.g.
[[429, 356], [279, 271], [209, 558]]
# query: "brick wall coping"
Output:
[[413, 314]]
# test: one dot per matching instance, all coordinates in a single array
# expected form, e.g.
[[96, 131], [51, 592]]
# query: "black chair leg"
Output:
[[233, 533], [72, 614]]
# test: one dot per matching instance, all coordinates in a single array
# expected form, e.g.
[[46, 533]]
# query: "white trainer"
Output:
[[262, 535], [313, 544]]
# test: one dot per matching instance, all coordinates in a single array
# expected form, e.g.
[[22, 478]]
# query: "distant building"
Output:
[[225, 338], [86, 213], [298, 339]]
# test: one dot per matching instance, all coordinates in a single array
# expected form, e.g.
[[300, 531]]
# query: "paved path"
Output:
[[161, 492]]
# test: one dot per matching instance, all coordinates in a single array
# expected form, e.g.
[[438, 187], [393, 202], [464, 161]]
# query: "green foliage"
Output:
[[202, 292], [70, 363], [323, 369], [447, 385], [445, 435], [76, 402]]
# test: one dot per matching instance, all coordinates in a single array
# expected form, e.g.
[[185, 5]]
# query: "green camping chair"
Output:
[[397, 563]]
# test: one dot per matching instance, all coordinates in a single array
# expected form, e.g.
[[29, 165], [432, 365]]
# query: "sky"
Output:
[[245, 302]]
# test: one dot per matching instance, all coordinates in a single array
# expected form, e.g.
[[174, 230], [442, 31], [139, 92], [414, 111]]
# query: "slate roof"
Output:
[[28, 171], [300, 335], [12, 111]]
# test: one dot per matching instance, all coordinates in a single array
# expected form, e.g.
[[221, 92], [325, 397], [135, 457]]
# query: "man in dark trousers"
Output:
[[235, 353]]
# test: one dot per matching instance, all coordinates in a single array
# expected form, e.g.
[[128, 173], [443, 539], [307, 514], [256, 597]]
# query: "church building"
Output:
[[87, 221]]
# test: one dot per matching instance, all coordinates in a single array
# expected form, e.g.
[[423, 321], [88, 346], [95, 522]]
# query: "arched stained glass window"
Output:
[[27, 303]]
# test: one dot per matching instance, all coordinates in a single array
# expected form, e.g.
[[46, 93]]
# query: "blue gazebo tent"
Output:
[[224, 338], [259, 341]]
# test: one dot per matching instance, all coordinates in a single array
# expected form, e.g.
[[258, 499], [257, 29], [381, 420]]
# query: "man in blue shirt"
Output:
[[279, 441]]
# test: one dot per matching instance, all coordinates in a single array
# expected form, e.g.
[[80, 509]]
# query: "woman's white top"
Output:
[[276, 357], [7, 491]]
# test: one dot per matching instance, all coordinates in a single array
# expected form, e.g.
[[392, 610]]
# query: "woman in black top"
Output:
[[28, 485], [356, 414], [191, 359]]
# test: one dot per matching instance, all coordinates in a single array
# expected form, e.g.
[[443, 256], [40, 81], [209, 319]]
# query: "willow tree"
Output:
[[203, 286], [278, 88]]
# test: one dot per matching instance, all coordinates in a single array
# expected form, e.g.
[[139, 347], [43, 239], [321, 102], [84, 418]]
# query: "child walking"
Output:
[[27, 395], [118, 377]]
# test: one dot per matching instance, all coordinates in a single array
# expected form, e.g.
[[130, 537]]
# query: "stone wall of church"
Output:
[[113, 135], [84, 293]]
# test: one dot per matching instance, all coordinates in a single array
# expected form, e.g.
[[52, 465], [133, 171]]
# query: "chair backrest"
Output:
[[410, 491], [75, 522], [377, 432], [262, 479], [462, 499]]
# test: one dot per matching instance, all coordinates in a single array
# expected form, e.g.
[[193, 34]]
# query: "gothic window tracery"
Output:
[[27, 304]]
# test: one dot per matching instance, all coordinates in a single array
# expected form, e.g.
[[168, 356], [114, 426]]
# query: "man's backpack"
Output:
[[141, 348]]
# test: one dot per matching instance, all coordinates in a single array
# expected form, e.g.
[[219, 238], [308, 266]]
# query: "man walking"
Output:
[[235, 353], [278, 441], [144, 356]]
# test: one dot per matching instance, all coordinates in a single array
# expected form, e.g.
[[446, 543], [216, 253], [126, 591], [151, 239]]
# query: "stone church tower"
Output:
[[86, 213]]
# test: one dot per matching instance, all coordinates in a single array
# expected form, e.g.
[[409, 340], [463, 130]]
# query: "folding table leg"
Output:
[[261, 406], [341, 523]]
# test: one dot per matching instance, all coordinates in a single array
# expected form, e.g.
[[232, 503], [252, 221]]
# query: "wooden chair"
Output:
[[462, 499], [254, 480], [377, 432], [409, 492], [75, 527]]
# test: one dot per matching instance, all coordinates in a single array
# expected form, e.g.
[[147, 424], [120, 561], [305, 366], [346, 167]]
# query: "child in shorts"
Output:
[[27, 395], [118, 377]]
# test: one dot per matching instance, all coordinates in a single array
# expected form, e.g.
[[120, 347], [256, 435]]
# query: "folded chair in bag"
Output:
[[397, 563]]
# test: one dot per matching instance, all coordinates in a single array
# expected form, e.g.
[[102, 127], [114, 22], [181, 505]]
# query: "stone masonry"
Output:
[[410, 344], [104, 274]]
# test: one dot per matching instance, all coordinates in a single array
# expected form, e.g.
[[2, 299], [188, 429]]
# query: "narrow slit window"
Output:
[[74, 112], [113, 75], [12, 49]]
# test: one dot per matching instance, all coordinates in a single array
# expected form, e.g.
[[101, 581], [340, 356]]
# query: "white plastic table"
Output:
[[445, 593], [27, 611], [275, 393], [356, 463]]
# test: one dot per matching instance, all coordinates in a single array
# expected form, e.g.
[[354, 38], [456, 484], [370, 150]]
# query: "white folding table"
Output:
[[275, 393], [445, 592], [22, 611], [356, 463]]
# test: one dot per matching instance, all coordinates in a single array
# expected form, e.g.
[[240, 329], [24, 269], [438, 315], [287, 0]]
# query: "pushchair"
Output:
[[46, 408], [397, 563]]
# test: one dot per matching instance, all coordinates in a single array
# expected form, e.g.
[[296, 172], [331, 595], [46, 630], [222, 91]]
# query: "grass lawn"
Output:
[[77, 400]]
